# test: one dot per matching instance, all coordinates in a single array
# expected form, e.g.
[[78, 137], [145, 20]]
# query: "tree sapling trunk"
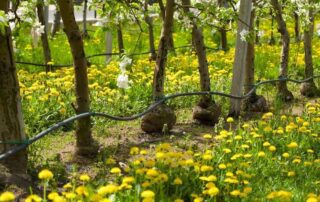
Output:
[[44, 36], [309, 88], [206, 111], [11, 121], [163, 116], [240, 57], [85, 143], [56, 23], [283, 92], [149, 22], [254, 103]]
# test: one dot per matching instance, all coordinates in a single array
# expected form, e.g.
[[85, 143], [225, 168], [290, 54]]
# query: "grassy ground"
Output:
[[253, 170]]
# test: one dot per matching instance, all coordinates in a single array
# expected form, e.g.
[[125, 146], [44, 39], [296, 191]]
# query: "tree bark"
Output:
[[253, 103], [283, 91], [240, 58], [223, 31], [108, 37], [206, 111], [161, 118], [257, 40], [85, 143], [272, 40], [120, 39], [149, 22], [159, 71], [309, 88], [197, 38], [44, 36], [296, 27], [56, 23], [11, 121], [84, 19], [163, 14]]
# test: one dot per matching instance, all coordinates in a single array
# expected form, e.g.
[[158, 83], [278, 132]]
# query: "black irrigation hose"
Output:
[[102, 54], [26, 143], [42, 65]]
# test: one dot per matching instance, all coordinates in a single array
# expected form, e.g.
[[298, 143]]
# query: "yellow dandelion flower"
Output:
[[286, 155], [7, 196], [115, 170], [222, 166], [147, 194], [45, 174], [235, 192], [292, 145], [84, 178], [177, 181]]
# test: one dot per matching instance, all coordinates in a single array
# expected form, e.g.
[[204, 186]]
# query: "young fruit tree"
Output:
[[44, 35], [163, 115], [283, 92], [85, 143], [240, 56], [11, 121], [206, 111], [254, 102], [309, 88]]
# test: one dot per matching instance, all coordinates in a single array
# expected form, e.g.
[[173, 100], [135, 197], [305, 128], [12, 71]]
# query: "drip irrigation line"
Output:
[[102, 54], [25, 143], [42, 65]]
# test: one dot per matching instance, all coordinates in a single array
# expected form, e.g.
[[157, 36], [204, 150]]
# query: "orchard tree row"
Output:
[[218, 15]]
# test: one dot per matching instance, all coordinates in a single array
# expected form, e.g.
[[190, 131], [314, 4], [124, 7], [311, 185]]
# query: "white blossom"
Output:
[[260, 33], [36, 31], [244, 34], [10, 15], [123, 81], [125, 62]]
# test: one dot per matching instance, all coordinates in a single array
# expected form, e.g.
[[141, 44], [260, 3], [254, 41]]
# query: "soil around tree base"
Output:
[[156, 120], [207, 114], [87, 151], [285, 95], [256, 103], [309, 89]]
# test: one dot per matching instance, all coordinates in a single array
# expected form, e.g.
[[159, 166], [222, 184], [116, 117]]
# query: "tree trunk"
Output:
[[56, 23], [108, 46], [11, 121], [44, 37], [283, 91], [272, 40], [84, 19], [296, 27], [85, 142], [206, 111], [159, 72], [240, 58], [120, 39], [254, 102], [149, 22], [223, 31], [309, 88], [163, 14], [46, 18], [257, 33], [162, 118], [224, 39]]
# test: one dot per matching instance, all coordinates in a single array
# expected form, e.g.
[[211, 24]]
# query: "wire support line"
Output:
[[25, 143]]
